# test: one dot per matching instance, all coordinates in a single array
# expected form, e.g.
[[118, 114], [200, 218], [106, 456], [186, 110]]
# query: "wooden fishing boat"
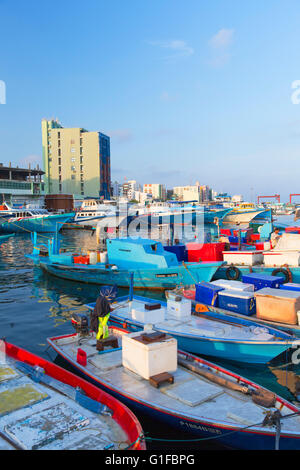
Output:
[[190, 294], [211, 335], [202, 399], [45, 407], [152, 266]]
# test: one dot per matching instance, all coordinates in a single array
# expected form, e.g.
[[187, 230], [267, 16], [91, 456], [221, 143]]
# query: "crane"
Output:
[[275, 196]]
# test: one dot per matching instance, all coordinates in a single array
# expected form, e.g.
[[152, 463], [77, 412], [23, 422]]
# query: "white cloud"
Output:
[[222, 39], [179, 47], [220, 45]]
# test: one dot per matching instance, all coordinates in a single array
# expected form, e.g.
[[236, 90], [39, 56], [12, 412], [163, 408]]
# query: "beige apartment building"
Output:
[[157, 191], [76, 161]]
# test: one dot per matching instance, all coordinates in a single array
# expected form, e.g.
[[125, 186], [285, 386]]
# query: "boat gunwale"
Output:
[[122, 415], [165, 410]]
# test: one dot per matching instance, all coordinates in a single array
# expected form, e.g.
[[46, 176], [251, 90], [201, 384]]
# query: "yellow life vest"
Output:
[[103, 328]]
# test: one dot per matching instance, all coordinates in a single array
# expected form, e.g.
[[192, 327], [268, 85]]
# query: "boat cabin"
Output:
[[140, 253]]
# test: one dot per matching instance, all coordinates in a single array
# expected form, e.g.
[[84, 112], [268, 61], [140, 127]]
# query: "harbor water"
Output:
[[34, 306]]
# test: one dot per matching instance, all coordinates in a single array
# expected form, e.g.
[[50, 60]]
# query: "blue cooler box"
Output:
[[207, 293], [290, 285], [263, 280], [237, 301]]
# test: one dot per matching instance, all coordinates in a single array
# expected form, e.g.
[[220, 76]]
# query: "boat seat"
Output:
[[42, 427], [7, 373], [106, 362], [20, 396], [193, 393]]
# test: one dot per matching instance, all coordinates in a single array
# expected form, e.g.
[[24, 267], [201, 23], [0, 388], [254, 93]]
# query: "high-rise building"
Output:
[[158, 191], [75, 161]]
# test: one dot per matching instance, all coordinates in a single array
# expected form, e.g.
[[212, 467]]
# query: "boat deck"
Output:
[[34, 416], [190, 396], [199, 325]]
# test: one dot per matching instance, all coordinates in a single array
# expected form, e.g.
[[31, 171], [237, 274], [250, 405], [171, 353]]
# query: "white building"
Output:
[[188, 193], [158, 191]]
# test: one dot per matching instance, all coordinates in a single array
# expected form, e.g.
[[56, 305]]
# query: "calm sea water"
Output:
[[34, 306]]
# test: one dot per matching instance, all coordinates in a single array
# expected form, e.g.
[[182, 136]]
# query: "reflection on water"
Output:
[[34, 306]]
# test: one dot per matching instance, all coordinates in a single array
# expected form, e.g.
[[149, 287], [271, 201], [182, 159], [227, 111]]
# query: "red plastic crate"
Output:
[[81, 259], [293, 229], [205, 251], [226, 232], [255, 237]]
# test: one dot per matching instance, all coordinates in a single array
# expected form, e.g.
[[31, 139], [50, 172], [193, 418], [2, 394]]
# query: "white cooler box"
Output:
[[149, 359], [143, 315], [248, 258], [181, 309], [234, 285], [279, 258]]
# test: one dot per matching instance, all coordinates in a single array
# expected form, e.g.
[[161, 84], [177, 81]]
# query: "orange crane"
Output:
[[276, 196], [291, 195]]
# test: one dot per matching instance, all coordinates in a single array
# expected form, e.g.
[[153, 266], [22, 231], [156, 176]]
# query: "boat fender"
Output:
[[288, 277], [232, 273]]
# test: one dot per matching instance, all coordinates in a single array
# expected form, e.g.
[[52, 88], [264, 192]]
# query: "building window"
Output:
[[59, 187], [58, 135], [81, 159], [73, 168], [59, 153], [72, 177], [73, 159], [81, 167], [81, 150], [58, 143], [72, 149]]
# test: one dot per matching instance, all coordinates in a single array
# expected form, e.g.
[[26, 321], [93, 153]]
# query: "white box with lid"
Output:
[[142, 315], [149, 359], [179, 309], [248, 258], [234, 285]]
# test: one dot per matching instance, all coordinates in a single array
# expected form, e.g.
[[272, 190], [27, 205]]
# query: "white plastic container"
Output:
[[181, 309], [104, 257], [148, 316], [150, 359], [234, 285], [248, 258], [279, 258], [93, 257]]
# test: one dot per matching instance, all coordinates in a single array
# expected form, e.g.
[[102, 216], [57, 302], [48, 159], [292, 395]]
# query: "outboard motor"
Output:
[[81, 323]]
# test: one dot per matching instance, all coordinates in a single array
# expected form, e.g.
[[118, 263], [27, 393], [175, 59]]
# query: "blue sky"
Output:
[[188, 91]]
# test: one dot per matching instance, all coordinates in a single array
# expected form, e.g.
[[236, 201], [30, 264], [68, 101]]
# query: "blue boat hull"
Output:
[[225, 350], [226, 435], [156, 279], [254, 352], [50, 224], [244, 270]]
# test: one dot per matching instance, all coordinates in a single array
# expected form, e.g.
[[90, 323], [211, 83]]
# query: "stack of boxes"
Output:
[[247, 297]]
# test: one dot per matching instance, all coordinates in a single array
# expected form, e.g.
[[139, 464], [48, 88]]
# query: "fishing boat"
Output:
[[45, 407], [152, 266], [246, 213], [283, 260], [193, 396], [211, 335], [31, 220]]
